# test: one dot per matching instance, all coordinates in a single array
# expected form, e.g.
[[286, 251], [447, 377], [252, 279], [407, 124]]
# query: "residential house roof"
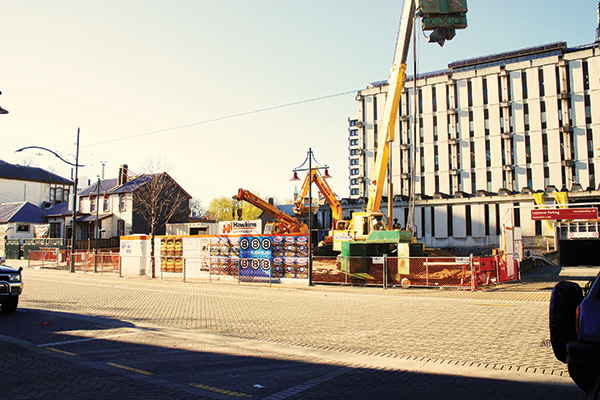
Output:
[[25, 173], [112, 185], [22, 211]]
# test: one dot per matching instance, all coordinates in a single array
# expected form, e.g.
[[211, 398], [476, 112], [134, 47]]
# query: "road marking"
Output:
[[62, 351], [85, 340], [139, 371], [492, 304], [218, 390], [294, 390]]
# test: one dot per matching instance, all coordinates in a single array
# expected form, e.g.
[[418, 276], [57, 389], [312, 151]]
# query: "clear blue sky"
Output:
[[123, 69]]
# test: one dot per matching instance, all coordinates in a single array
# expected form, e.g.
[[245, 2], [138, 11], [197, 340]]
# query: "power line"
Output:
[[222, 118]]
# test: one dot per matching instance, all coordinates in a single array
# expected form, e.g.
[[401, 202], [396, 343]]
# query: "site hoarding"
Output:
[[253, 256]]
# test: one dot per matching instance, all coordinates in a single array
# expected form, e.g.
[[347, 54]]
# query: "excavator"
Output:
[[338, 223], [285, 224], [367, 233]]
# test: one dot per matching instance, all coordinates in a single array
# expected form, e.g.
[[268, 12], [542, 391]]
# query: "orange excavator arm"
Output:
[[287, 223], [314, 176]]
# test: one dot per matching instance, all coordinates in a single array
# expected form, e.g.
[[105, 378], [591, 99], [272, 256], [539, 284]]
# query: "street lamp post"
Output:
[[309, 159], [96, 227], [76, 165]]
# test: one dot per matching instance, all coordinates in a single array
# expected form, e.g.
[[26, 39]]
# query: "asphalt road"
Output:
[[92, 336]]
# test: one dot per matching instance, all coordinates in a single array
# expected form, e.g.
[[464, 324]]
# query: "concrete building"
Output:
[[481, 138]]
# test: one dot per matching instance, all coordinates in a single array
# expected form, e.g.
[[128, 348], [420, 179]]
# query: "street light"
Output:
[[76, 165], [2, 110], [309, 159]]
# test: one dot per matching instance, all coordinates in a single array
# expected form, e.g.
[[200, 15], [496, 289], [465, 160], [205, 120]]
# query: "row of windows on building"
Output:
[[506, 114], [105, 200]]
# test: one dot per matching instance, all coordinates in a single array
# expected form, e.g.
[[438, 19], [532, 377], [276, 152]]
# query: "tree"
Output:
[[159, 201], [196, 207]]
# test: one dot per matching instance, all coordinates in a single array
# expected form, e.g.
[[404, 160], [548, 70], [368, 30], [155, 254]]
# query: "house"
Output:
[[37, 186], [20, 220], [118, 205]]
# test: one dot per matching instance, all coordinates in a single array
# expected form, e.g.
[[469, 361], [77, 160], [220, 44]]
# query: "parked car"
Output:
[[575, 331], [11, 286]]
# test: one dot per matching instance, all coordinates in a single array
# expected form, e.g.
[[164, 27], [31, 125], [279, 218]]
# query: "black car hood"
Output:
[[6, 269]]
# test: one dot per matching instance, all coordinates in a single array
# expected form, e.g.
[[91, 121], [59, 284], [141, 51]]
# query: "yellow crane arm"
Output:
[[390, 112]]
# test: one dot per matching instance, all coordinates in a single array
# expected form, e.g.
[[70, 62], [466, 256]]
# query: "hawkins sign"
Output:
[[240, 227]]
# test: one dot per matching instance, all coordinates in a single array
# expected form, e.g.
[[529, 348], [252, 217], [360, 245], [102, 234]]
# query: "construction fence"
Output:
[[102, 262], [457, 272], [450, 272]]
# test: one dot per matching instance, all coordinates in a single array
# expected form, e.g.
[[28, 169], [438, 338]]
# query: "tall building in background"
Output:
[[480, 138]]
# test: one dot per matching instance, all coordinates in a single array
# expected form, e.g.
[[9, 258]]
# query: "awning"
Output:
[[92, 217]]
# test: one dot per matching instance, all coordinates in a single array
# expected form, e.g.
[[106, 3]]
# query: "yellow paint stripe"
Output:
[[492, 304], [61, 351], [139, 371], [218, 390]]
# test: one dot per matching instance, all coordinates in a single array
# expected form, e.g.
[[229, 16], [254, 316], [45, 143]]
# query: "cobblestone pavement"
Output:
[[169, 339]]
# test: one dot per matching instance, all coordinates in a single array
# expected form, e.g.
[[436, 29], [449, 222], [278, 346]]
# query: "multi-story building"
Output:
[[476, 141]]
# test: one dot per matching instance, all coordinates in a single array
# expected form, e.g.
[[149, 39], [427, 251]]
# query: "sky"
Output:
[[228, 94]]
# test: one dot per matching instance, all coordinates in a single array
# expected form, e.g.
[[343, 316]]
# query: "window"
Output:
[[435, 129], [420, 101], [450, 222], [354, 171], [488, 153], [541, 81], [354, 192], [471, 125], [120, 228], [353, 122], [353, 142], [436, 160], [122, 206], [55, 230], [22, 227], [485, 91], [526, 116], [106, 205], [588, 109], [354, 181], [524, 83], [545, 147], [486, 218], [470, 93], [473, 183], [354, 161], [586, 76], [468, 219], [434, 98], [472, 149], [543, 113], [354, 132], [486, 118], [488, 176], [92, 205]]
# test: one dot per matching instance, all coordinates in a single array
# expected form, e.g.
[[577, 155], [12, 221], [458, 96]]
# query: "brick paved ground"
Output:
[[219, 341]]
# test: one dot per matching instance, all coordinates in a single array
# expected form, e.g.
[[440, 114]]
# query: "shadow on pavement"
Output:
[[59, 355]]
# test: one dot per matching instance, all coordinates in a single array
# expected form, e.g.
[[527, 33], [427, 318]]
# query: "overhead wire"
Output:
[[221, 118]]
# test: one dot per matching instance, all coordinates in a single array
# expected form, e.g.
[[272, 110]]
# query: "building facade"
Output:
[[480, 139]]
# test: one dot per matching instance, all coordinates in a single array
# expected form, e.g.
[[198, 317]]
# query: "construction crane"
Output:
[[285, 224], [443, 17]]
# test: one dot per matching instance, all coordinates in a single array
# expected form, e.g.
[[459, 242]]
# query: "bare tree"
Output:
[[159, 201]]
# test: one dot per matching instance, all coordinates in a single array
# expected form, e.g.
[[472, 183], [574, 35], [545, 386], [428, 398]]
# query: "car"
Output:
[[575, 331], [11, 287]]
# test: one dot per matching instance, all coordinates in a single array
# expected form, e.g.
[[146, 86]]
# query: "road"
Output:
[[95, 336]]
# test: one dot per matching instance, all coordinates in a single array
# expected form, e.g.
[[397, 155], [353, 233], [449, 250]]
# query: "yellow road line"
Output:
[[218, 390], [139, 371], [61, 351]]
